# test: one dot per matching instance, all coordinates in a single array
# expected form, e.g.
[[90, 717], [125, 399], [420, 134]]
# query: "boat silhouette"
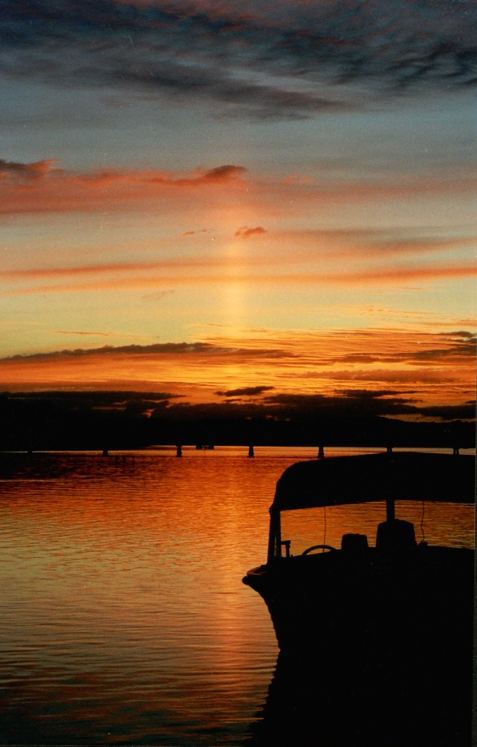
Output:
[[375, 640]]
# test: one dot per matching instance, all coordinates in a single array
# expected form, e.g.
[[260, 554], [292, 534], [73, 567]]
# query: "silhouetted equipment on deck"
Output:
[[251, 451], [355, 543], [394, 620], [395, 535]]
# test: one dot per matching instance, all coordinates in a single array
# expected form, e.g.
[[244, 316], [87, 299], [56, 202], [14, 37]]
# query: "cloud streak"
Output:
[[358, 277], [157, 349], [246, 391]]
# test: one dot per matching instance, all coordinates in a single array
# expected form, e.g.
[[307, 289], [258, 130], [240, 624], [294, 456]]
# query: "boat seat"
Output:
[[395, 535], [354, 543]]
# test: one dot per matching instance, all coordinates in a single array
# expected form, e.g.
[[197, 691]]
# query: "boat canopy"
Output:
[[398, 476]]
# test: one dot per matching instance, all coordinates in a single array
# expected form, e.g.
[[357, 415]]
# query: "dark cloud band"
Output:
[[266, 60]]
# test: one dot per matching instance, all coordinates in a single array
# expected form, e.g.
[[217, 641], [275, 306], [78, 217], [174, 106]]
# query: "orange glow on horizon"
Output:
[[436, 368]]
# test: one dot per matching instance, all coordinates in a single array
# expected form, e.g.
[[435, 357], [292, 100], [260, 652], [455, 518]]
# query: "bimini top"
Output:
[[377, 477]]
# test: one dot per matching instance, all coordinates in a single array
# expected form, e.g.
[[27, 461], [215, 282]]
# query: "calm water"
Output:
[[123, 618]]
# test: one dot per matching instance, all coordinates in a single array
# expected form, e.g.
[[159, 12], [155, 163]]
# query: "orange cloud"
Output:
[[245, 232], [16, 170], [194, 233], [342, 190], [83, 333], [59, 190], [62, 191], [390, 275], [371, 242], [234, 273], [183, 264]]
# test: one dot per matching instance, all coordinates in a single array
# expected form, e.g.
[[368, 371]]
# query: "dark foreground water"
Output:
[[123, 618]]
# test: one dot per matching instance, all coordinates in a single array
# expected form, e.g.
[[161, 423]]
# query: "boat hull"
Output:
[[371, 648], [377, 608]]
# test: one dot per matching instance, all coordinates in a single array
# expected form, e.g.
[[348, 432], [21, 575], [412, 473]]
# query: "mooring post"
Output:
[[251, 451], [105, 452], [321, 452], [179, 450]]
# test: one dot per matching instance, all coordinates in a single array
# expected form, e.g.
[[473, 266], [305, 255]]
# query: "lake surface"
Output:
[[123, 618]]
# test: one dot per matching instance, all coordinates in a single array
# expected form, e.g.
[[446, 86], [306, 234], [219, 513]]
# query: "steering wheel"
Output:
[[318, 547]]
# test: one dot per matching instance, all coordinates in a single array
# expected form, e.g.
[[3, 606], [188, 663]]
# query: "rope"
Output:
[[422, 521]]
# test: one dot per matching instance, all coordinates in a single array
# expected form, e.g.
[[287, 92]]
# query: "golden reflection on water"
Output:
[[122, 614]]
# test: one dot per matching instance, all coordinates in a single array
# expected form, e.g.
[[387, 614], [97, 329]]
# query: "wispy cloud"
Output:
[[257, 59], [229, 274], [280, 250], [244, 232], [157, 349], [83, 333], [59, 190], [393, 186], [246, 391], [38, 187], [397, 274], [194, 233], [34, 170]]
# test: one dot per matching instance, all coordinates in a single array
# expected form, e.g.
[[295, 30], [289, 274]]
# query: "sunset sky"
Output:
[[221, 199]]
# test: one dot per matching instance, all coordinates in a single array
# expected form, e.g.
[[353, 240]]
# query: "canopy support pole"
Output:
[[274, 538], [390, 509]]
